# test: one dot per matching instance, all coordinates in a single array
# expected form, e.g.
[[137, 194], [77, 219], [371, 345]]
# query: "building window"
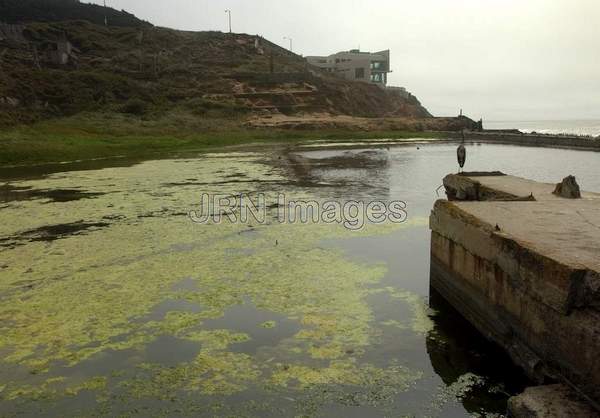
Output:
[[377, 78], [376, 65], [359, 73]]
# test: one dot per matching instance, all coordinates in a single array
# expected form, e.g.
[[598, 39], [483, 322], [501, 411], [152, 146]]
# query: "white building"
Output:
[[356, 65]]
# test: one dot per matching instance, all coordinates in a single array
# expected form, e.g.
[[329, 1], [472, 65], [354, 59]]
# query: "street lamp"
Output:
[[229, 14], [291, 42]]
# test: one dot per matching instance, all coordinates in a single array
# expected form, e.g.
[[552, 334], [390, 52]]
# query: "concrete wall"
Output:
[[515, 297], [558, 141], [274, 78]]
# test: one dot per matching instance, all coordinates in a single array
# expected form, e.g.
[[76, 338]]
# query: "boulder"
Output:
[[553, 401], [568, 188]]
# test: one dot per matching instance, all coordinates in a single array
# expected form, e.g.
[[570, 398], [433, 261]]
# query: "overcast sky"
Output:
[[496, 59]]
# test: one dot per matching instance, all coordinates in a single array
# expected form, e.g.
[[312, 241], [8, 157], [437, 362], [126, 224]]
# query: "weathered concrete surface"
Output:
[[531, 140], [526, 274], [549, 401], [498, 186]]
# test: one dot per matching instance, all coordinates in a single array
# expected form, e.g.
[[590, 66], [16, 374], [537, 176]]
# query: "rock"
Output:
[[568, 188], [9, 101], [551, 401]]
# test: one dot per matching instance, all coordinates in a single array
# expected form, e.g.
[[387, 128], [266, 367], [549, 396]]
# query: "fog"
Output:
[[495, 59]]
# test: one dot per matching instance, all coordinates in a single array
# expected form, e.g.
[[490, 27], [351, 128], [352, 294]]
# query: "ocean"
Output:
[[575, 127]]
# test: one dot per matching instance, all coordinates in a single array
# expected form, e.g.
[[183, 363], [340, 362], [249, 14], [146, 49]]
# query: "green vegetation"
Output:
[[99, 135], [13, 11]]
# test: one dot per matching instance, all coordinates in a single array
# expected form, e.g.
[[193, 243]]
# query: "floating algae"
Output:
[[421, 321], [458, 390], [346, 372], [64, 303]]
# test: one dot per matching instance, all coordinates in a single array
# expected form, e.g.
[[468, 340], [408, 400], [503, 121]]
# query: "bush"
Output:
[[214, 108], [135, 107]]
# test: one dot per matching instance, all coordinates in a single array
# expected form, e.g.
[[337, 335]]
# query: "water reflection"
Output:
[[264, 328], [357, 174], [456, 349], [371, 342], [474, 371]]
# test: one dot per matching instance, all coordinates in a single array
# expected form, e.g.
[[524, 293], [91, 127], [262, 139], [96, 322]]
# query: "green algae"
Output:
[[210, 373], [69, 301], [54, 388], [421, 322], [348, 373], [458, 390]]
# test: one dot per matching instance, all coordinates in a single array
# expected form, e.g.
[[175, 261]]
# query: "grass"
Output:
[[99, 135]]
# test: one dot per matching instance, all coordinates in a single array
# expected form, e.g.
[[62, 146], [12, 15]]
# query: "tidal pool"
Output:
[[113, 302]]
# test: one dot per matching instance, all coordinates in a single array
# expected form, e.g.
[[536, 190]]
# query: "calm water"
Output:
[[112, 301], [572, 127]]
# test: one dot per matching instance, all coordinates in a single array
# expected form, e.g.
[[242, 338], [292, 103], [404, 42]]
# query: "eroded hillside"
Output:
[[145, 69]]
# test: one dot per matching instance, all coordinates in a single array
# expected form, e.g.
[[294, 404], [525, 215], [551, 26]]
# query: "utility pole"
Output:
[[291, 43], [105, 16], [229, 14]]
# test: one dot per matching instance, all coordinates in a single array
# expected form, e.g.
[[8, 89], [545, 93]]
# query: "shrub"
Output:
[[214, 108], [135, 107]]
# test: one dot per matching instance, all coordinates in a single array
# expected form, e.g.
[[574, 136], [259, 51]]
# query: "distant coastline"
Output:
[[581, 127]]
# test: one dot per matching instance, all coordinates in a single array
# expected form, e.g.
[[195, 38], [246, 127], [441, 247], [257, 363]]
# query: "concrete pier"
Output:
[[523, 265]]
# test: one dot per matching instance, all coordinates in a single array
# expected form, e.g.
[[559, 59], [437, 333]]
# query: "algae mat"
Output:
[[114, 303]]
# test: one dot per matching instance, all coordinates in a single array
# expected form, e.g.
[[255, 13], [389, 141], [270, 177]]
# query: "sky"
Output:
[[495, 59]]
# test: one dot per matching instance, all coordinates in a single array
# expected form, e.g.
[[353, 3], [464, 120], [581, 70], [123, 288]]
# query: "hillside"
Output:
[[24, 11], [145, 70]]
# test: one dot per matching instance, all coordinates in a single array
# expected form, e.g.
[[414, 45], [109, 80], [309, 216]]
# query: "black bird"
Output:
[[461, 153]]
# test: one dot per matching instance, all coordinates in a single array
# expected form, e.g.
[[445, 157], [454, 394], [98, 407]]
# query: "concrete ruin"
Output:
[[61, 52], [12, 32], [523, 265]]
